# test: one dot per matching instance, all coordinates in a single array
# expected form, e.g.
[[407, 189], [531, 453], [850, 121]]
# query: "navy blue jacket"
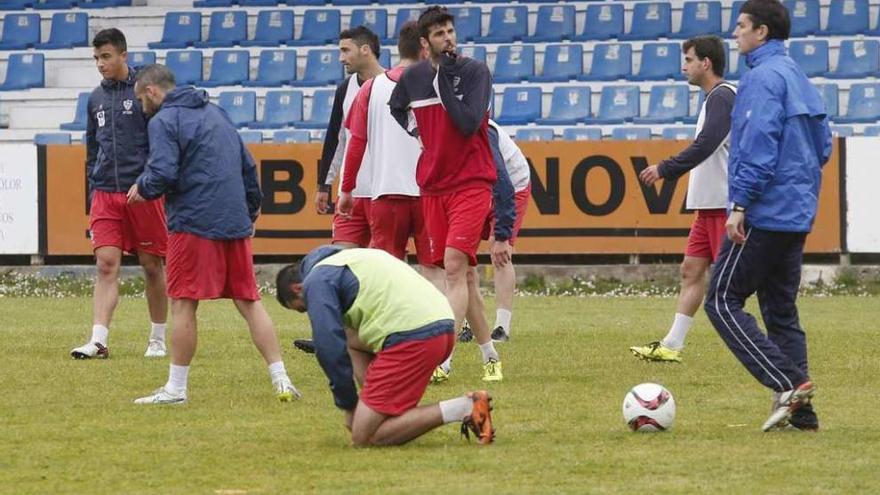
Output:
[[116, 136], [197, 159], [779, 141], [502, 191]]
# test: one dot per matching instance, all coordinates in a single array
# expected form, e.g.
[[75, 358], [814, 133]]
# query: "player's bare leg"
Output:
[[105, 298], [266, 340], [154, 288], [505, 285], [184, 339], [435, 275], [476, 315], [456, 267]]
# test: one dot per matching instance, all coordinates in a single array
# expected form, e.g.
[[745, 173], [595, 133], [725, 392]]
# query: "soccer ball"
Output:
[[649, 407]]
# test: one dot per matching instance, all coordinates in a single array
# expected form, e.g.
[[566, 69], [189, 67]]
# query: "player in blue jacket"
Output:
[[779, 142]]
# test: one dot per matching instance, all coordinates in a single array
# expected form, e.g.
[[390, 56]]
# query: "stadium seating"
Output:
[[69, 29], [741, 66], [520, 105], [617, 104], [475, 52], [102, 4], [700, 17], [804, 17], [811, 56], [45, 138], [322, 69], [829, 94], [631, 133], [319, 27], [660, 61], [734, 16], [561, 63], [181, 29], [81, 114], [857, 59], [864, 104], [291, 136], [666, 105], [138, 59], [554, 23], [507, 24], [228, 28], [322, 105], [514, 63], [54, 4], [15, 4], [186, 65], [282, 109], [611, 61], [650, 20], [847, 17], [582, 134], [274, 27], [251, 137], [843, 131], [534, 134], [20, 31], [240, 106], [604, 21], [568, 106], [385, 58], [214, 3], [679, 133], [276, 68], [24, 71], [406, 14], [374, 19], [228, 68], [871, 130]]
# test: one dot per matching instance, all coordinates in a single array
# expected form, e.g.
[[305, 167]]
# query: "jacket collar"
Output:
[[129, 81], [769, 49]]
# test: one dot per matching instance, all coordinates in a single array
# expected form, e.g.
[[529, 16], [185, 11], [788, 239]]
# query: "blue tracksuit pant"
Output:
[[768, 263]]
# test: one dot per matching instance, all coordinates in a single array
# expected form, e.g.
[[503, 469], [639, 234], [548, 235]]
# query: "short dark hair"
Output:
[[110, 36], [433, 16], [711, 47], [770, 13], [288, 276], [408, 44], [156, 75], [360, 36]]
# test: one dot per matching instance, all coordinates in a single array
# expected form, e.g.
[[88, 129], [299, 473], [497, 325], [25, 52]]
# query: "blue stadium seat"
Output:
[[811, 55], [322, 105], [291, 136], [319, 27], [871, 130], [475, 52], [392, 2], [554, 23], [240, 106], [24, 71], [604, 21], [385, 58], [631, 133], [582, 134], [864, 104], [842, 131], [507, 24], [16, 4], [54, 4], [282, 109], [468, 23], [352, 2], [847, 17], [660, 61], [830, 96], [275, 3], [228, 28], [734, 15], [374, 19], [561, 63], [857, 59], [514, 63], [20, 31], [701, 17], [651, 20], [277, 68], [251, 137], [45, 138], [186, 65], [322, 68], [741, 66], [200, 4], [80, 116], [666, 105], [181, 30], [679, 133], [102, 4], [611, 61], [534, 134], [69, 29], [139, 59], [403, 16], [520, 105], [804, 16], [569, 105], [274, 27], [228, 68], [617, 104]]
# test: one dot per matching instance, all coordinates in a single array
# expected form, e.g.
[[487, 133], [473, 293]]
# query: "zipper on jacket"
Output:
[[113, 129]]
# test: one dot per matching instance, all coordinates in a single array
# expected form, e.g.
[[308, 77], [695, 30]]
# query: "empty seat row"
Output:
[[21, 31], [595, 133], [61, 4], [281, 136]]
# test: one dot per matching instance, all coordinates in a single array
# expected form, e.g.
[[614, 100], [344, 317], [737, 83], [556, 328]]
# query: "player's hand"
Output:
[[345, 204], [349, 418], [133, 195], [736, 227], [501, 252], [650, 175], [322, 199]]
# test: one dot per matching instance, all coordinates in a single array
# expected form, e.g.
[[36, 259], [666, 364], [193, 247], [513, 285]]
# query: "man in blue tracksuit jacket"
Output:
[[779, 141]]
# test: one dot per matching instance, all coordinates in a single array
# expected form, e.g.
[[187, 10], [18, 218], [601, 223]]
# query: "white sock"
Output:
[[276, 370], [177, 376], [454, 410], [447, 365], [157, 331], [675, 338], [489, 352], [100, 334], [502, 319]]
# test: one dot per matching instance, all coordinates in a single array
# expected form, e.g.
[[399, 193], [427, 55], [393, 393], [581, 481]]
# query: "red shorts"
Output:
[[707, 233], [456, 220], [521, 203], [199, 268], [393, 220], [398, 376], [356, 227], [131, 228]]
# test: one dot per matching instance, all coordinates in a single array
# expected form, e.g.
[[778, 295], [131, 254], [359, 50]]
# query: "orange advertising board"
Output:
[[586, 199]]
